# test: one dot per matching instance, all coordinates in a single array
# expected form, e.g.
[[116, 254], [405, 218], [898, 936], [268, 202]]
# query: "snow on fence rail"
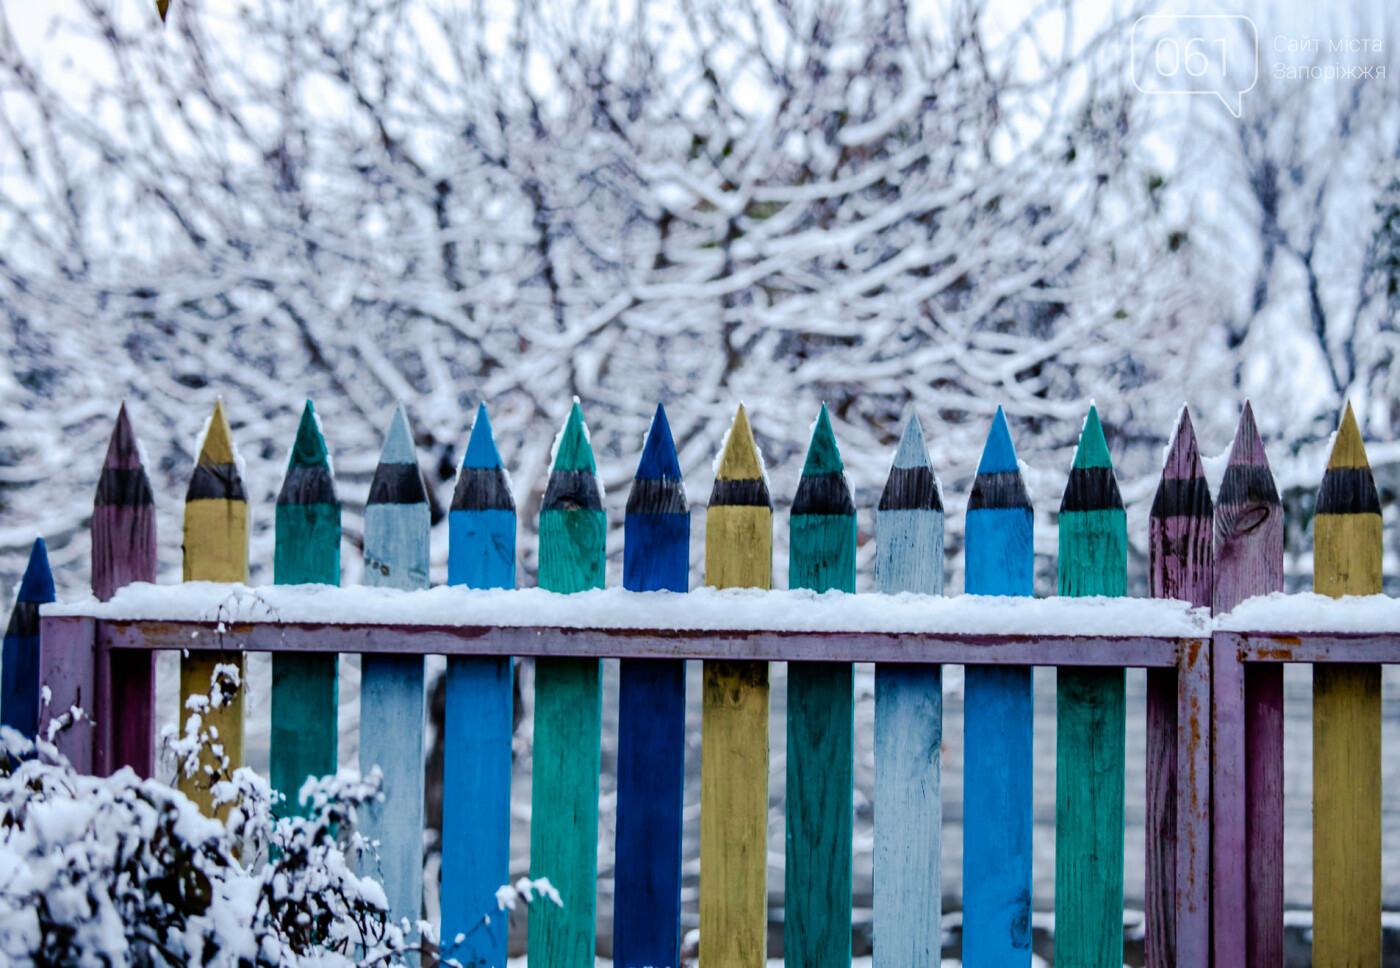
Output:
[[1214, 824]]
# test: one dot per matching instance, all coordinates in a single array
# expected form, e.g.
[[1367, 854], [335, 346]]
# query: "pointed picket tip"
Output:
[[913, 451], [398, 442], [37, 585], [823, 456], [1347, 448], [659, 461], [309, 449], [1248, 448], [481, 447], [217, 447], [998, 453], [1093, 448], [122, 450], [740, 460], [1183, 461], [575, 453]]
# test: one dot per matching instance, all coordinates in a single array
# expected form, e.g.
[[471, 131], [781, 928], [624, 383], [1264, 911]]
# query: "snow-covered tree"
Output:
[[701, 203]]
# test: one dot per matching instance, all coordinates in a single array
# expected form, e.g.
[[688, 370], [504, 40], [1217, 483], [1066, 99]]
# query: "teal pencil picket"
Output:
[[1090, 723], [397, 521], [820, 724], [997, 717], [568, 716], [909, 723], [305, 694], [477, 726]]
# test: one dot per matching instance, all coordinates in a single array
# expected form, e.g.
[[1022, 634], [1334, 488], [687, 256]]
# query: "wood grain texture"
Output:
[[1347, 721], [568, 717], [734, 814], [907, 854], [651, 722], [67, 669], [397, 523], [820, 724], [998, 714], [1090, 724], [1229, 873], [734, 724], [216, 532], [564, 809], [1181, 558], [305, 688], [478, 718], [123, 551], [1247, 890]]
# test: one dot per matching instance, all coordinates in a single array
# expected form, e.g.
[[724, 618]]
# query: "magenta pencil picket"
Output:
[[1181, 565], [124, 551], [1248, 810]]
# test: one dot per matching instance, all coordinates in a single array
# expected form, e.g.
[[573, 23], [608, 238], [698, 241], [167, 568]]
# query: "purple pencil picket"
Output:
[[124, 551]]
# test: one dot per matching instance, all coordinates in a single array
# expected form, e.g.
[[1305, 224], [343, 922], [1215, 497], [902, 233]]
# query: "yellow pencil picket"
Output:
[[734, 753], [216, 549], [1347, 721]]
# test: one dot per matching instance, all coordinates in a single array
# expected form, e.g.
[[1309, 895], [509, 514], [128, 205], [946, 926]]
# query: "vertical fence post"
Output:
[[1247, 890], [477, 722], [23, 666], [998, 717], [397, 524], [1090, 722], [568, 716], [734, 727], [820, 723], [1347, 720], [216, 549], [909, 723], [123, 551], [305, 687], [651, 722], [1181, 565], [1229, 875]]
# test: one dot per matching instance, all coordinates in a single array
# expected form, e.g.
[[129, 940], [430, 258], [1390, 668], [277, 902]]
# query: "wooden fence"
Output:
[[1214, 825]]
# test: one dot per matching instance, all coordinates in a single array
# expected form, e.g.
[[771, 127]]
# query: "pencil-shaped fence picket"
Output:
[[1214, 822]]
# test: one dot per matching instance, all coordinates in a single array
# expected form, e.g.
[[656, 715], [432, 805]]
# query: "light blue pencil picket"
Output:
[[397, 522], [909, 723], [1000, 560], [477, 728]]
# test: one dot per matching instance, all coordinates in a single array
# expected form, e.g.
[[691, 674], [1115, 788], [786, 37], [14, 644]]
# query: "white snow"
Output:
[[1308, 612], [701, 609]]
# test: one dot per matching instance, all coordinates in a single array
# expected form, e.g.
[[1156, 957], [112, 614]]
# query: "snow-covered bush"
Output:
[[120, 870], [110, 871]]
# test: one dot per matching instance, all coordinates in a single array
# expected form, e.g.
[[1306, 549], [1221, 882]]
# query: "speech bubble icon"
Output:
[[1196, 54]]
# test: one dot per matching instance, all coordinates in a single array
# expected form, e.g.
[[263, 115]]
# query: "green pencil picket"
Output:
[[305, 693], [568, 716], [820, 723], [1091, 723]]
